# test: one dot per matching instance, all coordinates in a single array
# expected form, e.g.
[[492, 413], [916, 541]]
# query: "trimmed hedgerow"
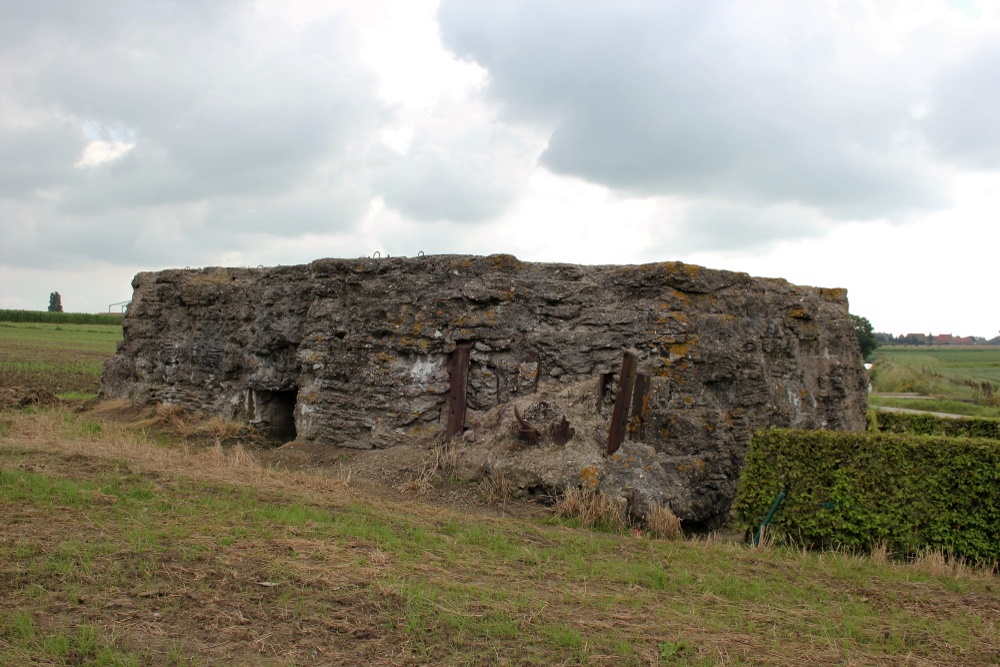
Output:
[[924, 424], [60, 318], [859, 489]]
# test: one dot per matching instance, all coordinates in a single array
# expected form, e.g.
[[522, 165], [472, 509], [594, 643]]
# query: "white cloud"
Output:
[[772, 136], [99, 152], [762, 103]]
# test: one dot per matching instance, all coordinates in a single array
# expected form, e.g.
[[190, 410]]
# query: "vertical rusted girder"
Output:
[[457, 391], [640, 406], [626, 382]]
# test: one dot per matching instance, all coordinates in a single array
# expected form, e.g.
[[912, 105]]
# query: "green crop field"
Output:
[[961, 380], [125, 541], [64, 359]]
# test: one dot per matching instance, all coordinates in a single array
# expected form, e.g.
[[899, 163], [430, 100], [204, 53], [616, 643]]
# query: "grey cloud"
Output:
[[224, 121], [39, 237], [744, 101], [963, 123], [454, 172], [717, 226], [38, 158], [318, 210]]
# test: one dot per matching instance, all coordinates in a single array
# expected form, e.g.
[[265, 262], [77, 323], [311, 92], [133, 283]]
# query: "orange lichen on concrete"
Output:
[[505, 262], [383, 358], [837, 294], [476, 318], [799, 314], [678, 350], [591, 477]]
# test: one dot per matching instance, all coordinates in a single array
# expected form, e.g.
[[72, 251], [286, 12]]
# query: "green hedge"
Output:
[[859, 489], [59, 318], [923, 424]]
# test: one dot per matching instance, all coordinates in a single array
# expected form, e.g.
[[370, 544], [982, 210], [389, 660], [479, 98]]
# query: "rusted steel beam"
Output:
[[626, 382], [457, 391], [640, 406], [525, 431], [562, 432]]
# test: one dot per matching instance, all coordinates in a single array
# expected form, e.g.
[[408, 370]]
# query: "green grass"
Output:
[[951, 375], [946, 406], [100, 338], [24, 642], [368, 576], [64, 359], [60, 318], [111, 561], [963, 363]]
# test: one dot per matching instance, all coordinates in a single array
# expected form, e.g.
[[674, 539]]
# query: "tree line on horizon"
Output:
[[930, 339]]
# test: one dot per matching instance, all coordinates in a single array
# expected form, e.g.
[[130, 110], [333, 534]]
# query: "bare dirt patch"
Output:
[[21, 397]]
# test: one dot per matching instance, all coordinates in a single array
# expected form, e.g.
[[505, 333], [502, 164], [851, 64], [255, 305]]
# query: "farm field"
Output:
[[64, 359], [131, 537], [957, 379]]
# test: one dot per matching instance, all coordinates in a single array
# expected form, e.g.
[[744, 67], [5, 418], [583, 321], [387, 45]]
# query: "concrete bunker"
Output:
[[362, 353]]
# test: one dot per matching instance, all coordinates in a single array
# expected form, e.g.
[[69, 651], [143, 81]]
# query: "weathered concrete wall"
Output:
[[355, 352]]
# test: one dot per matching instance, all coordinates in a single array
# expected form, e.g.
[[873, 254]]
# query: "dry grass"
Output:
[[593, 508], [937, 563], [496, 487], [442, 459], [880, 553], [387, 583], [932, 562], [418, 486], [109, 439], [661, 522], [173, 418]]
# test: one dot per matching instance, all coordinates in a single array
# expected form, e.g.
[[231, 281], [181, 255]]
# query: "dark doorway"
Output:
[[274, 412]]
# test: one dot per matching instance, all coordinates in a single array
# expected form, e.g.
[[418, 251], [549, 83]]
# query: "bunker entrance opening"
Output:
[[273, 412]]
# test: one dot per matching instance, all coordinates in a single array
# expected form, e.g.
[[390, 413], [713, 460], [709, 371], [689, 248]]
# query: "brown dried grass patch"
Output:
[[184, 424], [661, 522], [592, 508], [938, 563], [61, 432], [880, 553], [443, 458], [496, 487]]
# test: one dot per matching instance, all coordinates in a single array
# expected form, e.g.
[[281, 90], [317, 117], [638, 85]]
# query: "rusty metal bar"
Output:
[[640, 406], [525, 432], [626, 382], [457, 392], [562, 432]]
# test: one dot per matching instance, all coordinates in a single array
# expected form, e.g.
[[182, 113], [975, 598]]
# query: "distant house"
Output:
[[964, 340], [916, 337], [944, 339]]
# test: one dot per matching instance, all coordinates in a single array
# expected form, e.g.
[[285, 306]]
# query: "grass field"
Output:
[[960, 380], [65, 359], [124, 543], [118, 551]]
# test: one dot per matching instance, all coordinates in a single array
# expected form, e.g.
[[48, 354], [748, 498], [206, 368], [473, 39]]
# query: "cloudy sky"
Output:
[[845, 143]]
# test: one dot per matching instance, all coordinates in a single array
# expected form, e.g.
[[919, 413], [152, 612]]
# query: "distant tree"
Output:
[[55, 303], [865, 335]]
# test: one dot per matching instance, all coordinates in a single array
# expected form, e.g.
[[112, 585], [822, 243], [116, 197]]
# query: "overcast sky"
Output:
[[840, 144]]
